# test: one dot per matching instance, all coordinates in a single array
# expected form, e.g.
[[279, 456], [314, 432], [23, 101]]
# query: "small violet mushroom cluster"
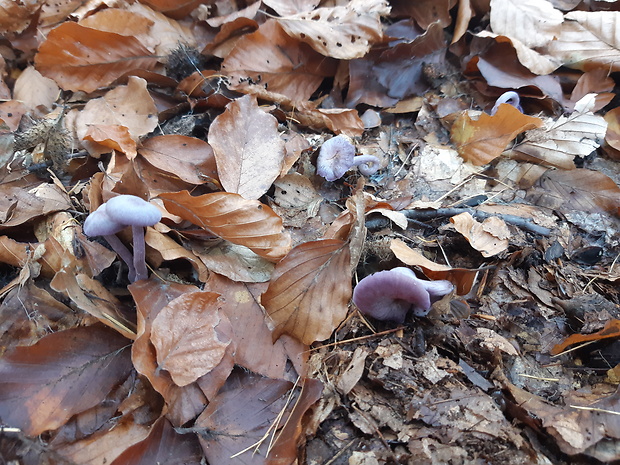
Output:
[[337, 155], [115, 215], [391, 294]]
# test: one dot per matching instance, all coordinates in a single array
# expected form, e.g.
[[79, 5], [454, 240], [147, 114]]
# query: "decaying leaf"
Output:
[[559, 141], [344, 32], [489, 237], [482, 140], [186, 338], [462, 278], [81, 58], [588, 39], [65, 373], [255, 420], [309, 292], [611, 329], [231, 217], [248, 149]]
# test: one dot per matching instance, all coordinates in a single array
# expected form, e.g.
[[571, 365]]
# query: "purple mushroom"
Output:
[[511, 97], [390, 295], [337, 155], [118, 213]]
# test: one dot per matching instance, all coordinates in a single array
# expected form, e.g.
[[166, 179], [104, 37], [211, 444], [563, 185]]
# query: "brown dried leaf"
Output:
[[248, 148], [253, 420], [191, 159], [34, 89], [489, 237], [81, 58], [231, 217], [111, 137], [19, 204], [309, 292], [578, 189], [169, 249], [65, 373], [130, 106], [186, 338], [480, 141], [16, 15], [462, 278], [271, 59], [344, 32]]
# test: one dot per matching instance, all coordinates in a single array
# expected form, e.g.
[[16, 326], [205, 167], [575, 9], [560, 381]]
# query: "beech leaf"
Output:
[[185, 336], [81, 58], [310, 289], [43, 385], [480, 141], [344, 32], [235, 219], [248, 148]]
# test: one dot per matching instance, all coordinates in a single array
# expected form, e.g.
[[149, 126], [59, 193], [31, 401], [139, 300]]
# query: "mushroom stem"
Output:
[[123, 252], [367, 164], [139, 253]]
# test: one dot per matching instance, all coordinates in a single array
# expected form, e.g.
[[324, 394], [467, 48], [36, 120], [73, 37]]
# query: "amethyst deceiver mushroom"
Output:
[[511, 98], [116, 214], [337, 156], [391, 294]]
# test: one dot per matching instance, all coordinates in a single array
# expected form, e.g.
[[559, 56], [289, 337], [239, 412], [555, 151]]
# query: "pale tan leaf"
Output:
[[168, 249], [310, 290], [33, 89], [231, 217], [489, 237], [344, 32], [81, 58], [186, 338], [291, 7], [130, 106], [248, 148], [560, 141], [589, 40], [533, 22]]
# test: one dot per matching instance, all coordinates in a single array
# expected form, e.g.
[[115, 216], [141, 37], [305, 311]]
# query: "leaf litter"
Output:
[[243, 346]]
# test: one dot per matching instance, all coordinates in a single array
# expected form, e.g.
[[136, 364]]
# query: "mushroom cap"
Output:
[[132, 211], [336, 156], [391, 294], [99, 223]]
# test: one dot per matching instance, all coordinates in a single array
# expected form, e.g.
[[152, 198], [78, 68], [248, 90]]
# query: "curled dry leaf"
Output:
[[489, 237], [291, 7], [112, 137], [186, 338], [309, 292], [81, 58], [480, 141], [248, 148], [462, 278], [235, 219], [344, 32], [190, 159], [129, 106]]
